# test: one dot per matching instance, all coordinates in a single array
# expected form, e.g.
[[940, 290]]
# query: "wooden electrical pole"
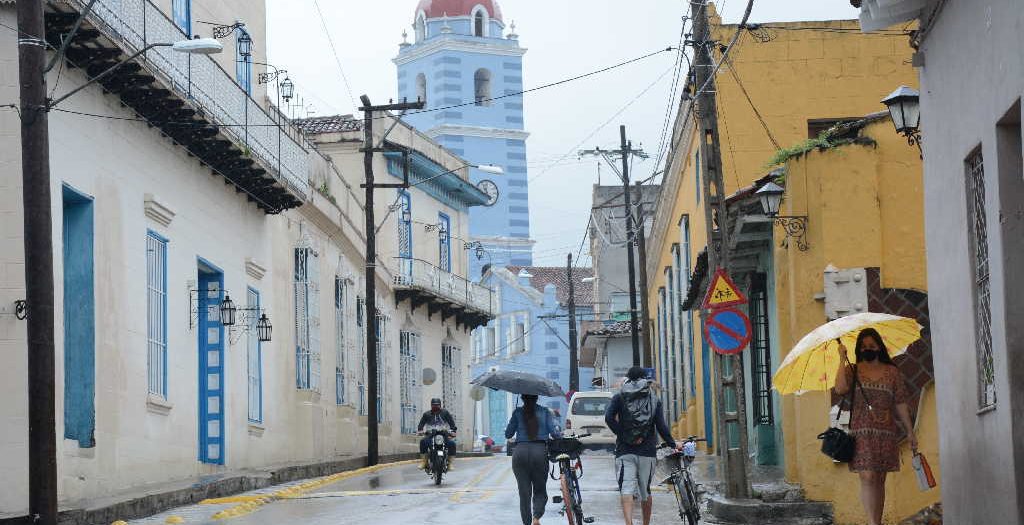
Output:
[[574, 360], [634, 329], [372, 364], [729, 369], [641, 251], [35, 173]]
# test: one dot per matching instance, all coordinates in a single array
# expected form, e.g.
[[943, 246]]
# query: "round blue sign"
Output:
[[727, 331]]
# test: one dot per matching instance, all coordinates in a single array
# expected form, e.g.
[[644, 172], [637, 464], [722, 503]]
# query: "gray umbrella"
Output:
[[519, 383]]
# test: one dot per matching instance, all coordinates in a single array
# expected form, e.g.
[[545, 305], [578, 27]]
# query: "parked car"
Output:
[[586, 415]]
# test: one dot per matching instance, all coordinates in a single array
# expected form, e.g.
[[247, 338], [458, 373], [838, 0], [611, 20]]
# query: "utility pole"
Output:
[[634, 329], [372, 448], [729, 369], [574, 361], [641, 247], [35, 166]]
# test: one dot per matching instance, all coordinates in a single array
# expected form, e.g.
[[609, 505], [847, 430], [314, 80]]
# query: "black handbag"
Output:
[[835, 442]]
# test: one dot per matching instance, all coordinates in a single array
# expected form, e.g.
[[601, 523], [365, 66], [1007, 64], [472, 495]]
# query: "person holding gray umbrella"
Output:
[[531, 425]]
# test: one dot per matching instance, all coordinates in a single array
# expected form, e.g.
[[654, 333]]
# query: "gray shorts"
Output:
[[635, 474]]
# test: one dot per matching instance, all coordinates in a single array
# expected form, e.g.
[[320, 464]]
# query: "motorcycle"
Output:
[[437, 451]]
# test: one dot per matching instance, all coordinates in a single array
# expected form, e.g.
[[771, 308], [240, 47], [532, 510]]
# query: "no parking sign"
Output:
[[727, 331]]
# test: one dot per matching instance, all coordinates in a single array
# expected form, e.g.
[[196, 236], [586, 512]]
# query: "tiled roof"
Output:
[[543, 275], [329, 124]]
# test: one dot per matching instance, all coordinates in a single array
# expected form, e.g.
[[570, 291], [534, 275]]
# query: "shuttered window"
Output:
[[307, 320], [451, 380], [156, 314], [254, 351], [410, 370], [340, 340]]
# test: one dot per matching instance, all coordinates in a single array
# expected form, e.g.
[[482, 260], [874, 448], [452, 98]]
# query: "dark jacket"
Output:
[[441, 418], [649, 446]]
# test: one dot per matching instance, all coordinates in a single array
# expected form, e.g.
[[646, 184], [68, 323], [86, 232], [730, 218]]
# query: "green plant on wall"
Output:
[[838, 135]]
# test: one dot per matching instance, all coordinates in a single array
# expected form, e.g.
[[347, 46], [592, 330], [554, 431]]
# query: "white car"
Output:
[[586, 415]]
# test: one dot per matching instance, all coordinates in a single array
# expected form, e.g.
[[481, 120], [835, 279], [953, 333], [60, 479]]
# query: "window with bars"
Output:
[[662, 355], [254, 361], [444, 256], [383, 366], [688, 335], [405, 232], [451, 380], [760, 350], [156, 314], [307, 320], [340, 339], [410, 370], [680, 335], [670, 333], [978, 233], [361, 338]]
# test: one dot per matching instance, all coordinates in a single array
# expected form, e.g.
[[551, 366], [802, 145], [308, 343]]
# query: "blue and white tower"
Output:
[[459, 61]]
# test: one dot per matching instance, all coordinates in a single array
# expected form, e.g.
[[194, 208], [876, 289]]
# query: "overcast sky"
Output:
[[564, 38]]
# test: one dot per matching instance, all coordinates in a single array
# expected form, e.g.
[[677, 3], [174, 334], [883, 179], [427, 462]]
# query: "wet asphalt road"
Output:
[[478, 491]]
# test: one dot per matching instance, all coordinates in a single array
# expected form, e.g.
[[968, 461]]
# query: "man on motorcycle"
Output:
[[439, 417]]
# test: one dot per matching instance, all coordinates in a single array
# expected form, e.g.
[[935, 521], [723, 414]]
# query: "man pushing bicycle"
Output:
[[635, 415]]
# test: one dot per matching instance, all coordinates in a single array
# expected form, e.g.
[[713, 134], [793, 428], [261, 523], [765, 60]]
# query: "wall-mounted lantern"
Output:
[[905, 109], [264, 328], [286, 88], [795, 226], [227, 311]]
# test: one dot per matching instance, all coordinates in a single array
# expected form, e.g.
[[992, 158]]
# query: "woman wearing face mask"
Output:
[[879, 412], [532, 425]]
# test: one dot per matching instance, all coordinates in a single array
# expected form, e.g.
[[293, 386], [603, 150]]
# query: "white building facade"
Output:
[[176, 186]]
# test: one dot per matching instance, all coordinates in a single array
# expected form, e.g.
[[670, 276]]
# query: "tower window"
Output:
[[421, 27], [421, 87], [478, 24], [482, 87]]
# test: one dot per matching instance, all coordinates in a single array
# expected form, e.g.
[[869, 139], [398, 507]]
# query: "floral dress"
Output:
[[875, 430]]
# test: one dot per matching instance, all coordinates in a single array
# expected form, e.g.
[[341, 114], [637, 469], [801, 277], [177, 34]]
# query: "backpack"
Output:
[[637, 416]]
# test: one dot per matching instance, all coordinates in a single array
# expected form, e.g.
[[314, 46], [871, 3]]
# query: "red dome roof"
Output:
[[438, 8]]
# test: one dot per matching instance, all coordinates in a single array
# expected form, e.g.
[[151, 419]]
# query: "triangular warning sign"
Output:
[[722, 293]]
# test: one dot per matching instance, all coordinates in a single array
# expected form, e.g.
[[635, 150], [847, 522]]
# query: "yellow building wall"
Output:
[[865, 209], [799, 75]]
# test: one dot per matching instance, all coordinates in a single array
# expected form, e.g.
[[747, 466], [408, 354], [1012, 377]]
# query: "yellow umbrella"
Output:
[[812, 363]]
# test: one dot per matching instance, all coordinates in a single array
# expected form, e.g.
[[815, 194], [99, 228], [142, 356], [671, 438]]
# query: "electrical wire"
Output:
[[334, 51], [764, 125], [665, 125], [621, 110]]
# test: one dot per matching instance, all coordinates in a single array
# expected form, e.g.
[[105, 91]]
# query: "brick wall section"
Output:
[[916, 364]]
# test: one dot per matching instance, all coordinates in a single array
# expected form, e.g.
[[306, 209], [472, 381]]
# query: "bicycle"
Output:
[[681, 483], [563, 451]]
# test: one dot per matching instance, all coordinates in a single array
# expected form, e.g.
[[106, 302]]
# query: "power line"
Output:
[[577, 146], [334, 51], [665, 125], [764, 125]]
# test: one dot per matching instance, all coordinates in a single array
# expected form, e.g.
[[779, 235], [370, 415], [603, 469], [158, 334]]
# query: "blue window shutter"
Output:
[[182, 14], [445, 242], [243, 65]]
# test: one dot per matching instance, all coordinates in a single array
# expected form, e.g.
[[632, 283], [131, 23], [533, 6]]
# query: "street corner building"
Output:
[[209, 267], [797, 108]]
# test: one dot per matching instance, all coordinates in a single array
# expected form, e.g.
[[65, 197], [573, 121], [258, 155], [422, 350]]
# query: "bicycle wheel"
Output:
[[680, 498], [569, 502], [577, 498], [687, 505]]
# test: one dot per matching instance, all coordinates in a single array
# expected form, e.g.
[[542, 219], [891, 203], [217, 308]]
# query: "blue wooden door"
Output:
[[211, 367]]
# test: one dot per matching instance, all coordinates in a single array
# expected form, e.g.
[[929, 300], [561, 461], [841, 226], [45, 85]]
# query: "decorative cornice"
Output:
[[504, 241], [254, 269], [477, 131], [441, 43], [157, 211]]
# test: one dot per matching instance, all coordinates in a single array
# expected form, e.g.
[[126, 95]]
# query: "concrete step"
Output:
[[744, 511]]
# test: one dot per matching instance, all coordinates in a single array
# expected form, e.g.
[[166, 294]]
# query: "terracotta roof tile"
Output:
[[329, 124], [544, 275]]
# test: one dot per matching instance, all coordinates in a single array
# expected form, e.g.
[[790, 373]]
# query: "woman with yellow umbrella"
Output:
[[879, 397]]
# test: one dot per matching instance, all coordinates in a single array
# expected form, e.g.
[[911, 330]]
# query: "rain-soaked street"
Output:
[[478, 490]]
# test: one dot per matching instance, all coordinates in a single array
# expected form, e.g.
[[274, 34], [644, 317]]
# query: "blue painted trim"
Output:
[[709, 416], [446, 241], [448, 188], [207, 275], [79, 317], [243, 65], [181, 11]]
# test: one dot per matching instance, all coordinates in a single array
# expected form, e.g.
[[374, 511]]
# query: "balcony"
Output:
[[443, 292], [189, 97]]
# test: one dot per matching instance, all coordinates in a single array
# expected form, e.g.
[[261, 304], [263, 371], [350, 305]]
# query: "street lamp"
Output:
[[227, 311], [286, 89], [795, 226], [263, 329], [905, 109]]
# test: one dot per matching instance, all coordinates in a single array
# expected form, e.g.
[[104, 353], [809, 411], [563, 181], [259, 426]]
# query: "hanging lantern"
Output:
[[287, 89], [244, 42], [227, 311], [771, 198], [263, 329]]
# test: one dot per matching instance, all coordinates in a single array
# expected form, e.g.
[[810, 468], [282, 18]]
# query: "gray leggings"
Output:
[[530, 465]]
